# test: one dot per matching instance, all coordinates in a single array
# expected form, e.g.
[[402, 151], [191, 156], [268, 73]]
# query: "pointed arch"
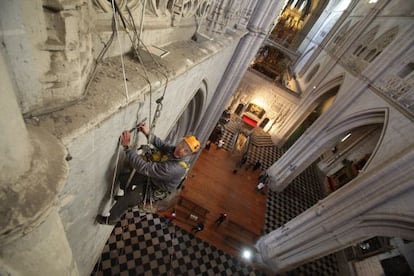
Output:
[[313, 102], [399, 225], [328, 86], [191, 116], [306, 151], [376, 47], [363, 118], [362, 45]]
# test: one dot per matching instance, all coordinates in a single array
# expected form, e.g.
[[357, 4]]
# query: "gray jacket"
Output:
[[166, 175]]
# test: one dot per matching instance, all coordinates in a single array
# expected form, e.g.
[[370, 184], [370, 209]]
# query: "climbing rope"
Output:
[[121, 50], [159, 107], [127, 99]]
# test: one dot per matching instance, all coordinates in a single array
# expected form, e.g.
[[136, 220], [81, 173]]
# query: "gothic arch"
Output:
[[326, 87], [399, 224], [363, 118], [312, 102], [317, 95], [376, 47], [361, 46], [340, 36], [306, 152], [191, 116]]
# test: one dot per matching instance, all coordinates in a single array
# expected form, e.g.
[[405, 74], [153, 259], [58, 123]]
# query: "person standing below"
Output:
[[166, 174], [198, 227], [170, 217], [221, 219], [257, 165], [220, 143], [208, 145]]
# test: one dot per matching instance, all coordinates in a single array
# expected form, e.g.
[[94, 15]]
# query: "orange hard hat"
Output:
[[192, 142]]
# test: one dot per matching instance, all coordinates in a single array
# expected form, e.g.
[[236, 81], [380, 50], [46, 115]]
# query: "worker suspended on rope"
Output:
[[164, 170]]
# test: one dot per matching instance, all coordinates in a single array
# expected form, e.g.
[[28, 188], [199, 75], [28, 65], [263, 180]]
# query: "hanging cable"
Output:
[[126, 94], [121, 49], [128, 25]]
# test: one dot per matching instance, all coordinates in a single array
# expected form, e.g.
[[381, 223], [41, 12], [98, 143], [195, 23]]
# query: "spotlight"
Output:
[[247, 254]]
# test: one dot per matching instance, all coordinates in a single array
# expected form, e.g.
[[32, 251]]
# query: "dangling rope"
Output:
[[126, 94], [159, 107], [153, 121], [121, 49]]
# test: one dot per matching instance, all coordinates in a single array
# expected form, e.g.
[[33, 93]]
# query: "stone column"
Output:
[[15, 147], [44, 251], [33, 166], [259, 24], [347, 217]]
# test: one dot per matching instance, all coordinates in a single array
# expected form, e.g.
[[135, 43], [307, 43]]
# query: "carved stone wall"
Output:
[[276, 102], [68, 39], [398, 82]]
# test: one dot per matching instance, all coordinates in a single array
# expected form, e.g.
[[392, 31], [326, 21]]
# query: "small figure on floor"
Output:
[[198, 227], [257, 165], [170, 217], [220, 144], [263, 180], [208, 145], [260, 187], [242, 161], [263, 177], [221, 218]]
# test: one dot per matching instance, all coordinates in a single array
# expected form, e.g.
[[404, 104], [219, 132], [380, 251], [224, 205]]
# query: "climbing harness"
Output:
[[153, 192]]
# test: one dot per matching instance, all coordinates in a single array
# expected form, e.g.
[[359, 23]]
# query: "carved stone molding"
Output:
[[106, 6], [189, 8]]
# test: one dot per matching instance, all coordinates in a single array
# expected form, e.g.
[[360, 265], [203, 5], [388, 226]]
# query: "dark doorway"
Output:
[[264, 123], [239, 109]]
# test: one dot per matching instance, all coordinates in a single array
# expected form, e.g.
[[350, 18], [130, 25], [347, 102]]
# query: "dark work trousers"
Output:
[[132, 197]]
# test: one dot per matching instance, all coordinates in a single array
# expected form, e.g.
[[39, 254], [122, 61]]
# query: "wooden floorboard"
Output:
[[212, 185]]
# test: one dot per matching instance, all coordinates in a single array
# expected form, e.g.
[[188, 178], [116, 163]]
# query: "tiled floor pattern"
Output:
[[144, 244], [302, 193]]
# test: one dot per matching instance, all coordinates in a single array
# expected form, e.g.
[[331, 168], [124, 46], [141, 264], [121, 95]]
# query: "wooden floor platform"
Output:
[[214, 188]]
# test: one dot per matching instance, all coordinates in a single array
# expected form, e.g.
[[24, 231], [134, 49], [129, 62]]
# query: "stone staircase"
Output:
[[261, 138]]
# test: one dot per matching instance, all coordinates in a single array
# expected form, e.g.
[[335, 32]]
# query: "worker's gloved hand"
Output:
[[125, 138], [143, 127]]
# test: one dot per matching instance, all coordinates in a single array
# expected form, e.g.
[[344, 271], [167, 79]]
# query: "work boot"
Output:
[[104, 220]]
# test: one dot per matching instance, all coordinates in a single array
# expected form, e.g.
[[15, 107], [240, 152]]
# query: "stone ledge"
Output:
[[106, 94]]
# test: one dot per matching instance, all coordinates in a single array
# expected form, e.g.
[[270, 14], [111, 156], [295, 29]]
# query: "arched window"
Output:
[[191, 116], [340, 36], [371, 55], [379, 44], [406, 70], [365, 41]]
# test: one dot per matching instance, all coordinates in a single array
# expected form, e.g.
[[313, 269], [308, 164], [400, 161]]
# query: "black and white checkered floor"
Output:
[[142, 244]]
